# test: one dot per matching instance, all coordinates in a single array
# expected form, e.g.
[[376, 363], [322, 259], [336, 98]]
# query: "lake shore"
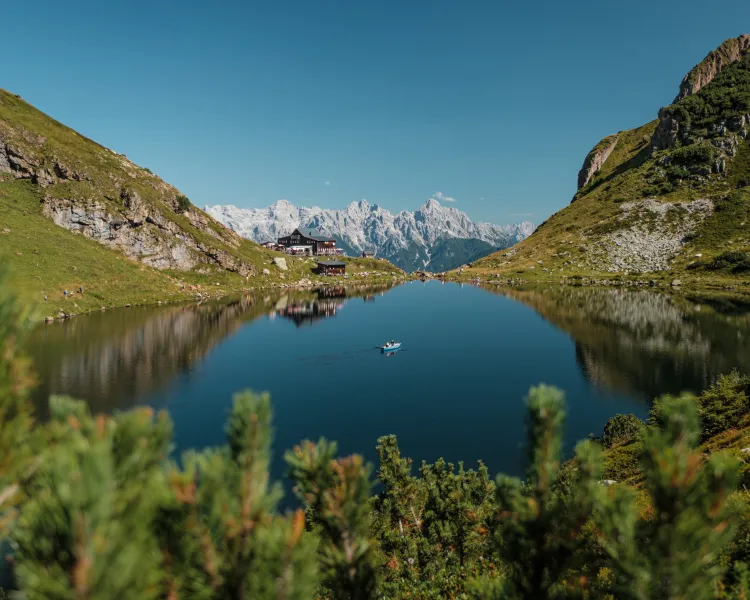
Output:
[[197, 293], [660, 281]]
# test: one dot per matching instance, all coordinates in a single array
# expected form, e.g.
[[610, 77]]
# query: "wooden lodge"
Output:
[[368, 254], [308, 241], [333, 267]]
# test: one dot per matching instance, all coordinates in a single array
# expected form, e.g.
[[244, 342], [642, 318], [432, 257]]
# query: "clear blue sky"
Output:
[[492, 103]]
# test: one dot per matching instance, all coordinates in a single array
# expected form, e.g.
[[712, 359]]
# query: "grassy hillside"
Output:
[[45, 259], [75, 214], [671, 199]]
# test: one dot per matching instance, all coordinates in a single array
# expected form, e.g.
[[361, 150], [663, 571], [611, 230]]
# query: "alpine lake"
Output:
[[455, 389]]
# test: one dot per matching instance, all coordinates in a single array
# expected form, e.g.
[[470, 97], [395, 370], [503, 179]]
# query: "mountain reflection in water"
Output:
[[455, 390], [112, 359], [646, 343]]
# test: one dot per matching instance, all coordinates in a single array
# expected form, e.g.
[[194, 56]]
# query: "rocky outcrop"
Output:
[[703, 73], [140, 233], [652, 234], [136, 210], [109, 199], [724, 136], [673, 129], [150, 245], [668, 131], [26, 165], [4, 159], [596, 159]]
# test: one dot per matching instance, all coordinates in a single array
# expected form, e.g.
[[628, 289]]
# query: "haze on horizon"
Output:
[[327, 103]]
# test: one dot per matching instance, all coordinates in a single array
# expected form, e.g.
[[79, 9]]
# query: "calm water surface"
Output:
[[455, 390]]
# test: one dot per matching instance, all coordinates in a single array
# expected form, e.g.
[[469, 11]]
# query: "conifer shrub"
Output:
[[621, 428], [183, 203], [723, 405], [737, 261], [694, 155], [92, 508], [676, 552]]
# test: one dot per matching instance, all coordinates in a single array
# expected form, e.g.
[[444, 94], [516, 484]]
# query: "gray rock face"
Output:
[[596, 159], [4, 162], [667, 132], [670, 131], [135, 209], [138, 230], [140, 234], [26, 166], [22, 167], [718, 60], [280, 262], [92, 219]]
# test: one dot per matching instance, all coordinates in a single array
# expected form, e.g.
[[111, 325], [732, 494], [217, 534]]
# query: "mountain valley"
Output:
[[433, 238]]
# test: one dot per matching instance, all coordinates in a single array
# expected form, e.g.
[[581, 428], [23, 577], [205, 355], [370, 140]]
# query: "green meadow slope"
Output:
[[74, 214], [669, 198]]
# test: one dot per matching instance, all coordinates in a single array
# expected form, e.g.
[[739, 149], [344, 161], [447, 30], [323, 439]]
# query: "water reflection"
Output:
[[633, 343], [645, 343], [307, 310], [113, 359]]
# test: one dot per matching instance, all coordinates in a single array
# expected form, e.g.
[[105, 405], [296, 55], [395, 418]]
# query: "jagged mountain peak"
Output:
[[430, 204], [282, 204], [407, 238]]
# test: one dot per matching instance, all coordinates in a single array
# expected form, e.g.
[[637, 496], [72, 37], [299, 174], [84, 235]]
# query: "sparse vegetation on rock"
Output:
[[653, 199]]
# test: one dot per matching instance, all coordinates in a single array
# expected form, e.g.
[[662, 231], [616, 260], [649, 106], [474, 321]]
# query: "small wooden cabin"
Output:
[[331, 267]]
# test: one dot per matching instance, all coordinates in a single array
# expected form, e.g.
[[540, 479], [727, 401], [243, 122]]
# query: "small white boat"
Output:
[[391, 346]]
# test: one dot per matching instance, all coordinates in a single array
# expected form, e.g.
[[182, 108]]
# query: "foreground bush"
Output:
[[93, 509]]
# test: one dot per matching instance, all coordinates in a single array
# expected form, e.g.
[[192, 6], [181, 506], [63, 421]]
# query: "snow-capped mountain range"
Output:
[[434, 237]]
